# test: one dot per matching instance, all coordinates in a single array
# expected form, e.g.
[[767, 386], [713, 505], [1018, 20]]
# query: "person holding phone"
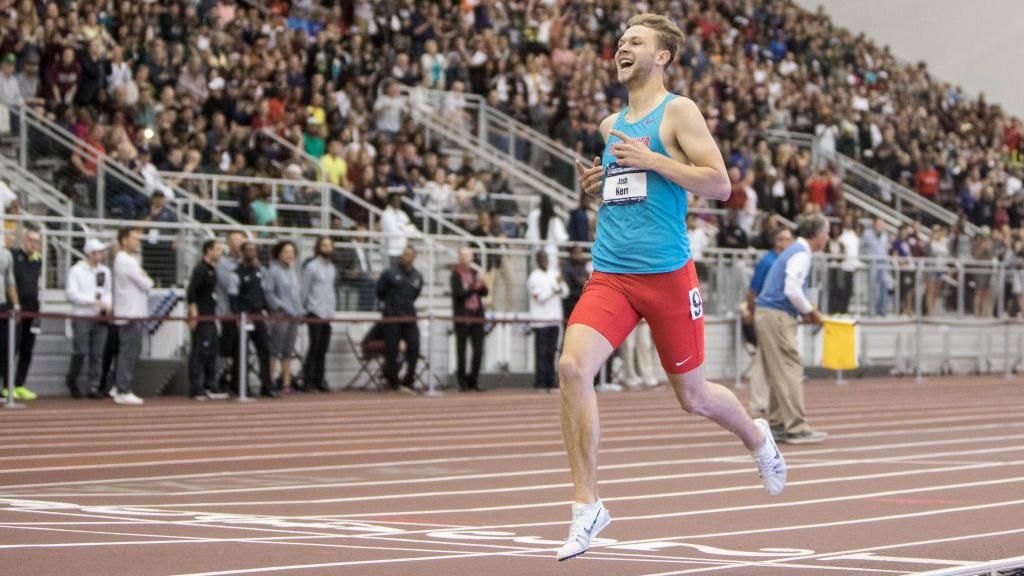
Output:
[[88, 290]]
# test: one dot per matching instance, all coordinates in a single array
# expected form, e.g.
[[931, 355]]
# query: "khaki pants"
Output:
[[776, 340]]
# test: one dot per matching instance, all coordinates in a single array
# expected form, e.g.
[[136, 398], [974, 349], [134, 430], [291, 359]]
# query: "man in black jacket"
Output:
[[28, 265], [467, 291], [398, 288], [202, 359], [248, 297]]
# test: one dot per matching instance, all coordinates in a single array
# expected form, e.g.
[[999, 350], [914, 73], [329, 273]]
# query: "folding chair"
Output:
[[370, 356]]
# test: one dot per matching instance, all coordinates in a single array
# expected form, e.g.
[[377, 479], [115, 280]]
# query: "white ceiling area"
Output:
[[978, 45]]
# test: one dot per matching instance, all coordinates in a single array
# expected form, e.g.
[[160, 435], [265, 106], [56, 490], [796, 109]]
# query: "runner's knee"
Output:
[[570, 370]]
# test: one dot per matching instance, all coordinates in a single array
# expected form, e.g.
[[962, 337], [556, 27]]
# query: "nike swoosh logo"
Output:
[[684, 361], [592, 524]]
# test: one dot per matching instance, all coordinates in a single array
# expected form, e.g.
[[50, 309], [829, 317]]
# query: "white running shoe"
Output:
[[129, 399], [608, 387], [587, 523], [770, 463]]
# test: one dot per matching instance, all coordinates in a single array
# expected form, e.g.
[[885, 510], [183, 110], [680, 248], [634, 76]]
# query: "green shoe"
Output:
[[22, 393]]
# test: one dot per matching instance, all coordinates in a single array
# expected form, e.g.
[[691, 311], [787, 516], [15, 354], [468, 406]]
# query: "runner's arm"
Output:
[[706, 174]]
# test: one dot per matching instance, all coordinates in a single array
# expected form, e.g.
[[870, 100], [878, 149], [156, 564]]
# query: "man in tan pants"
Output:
[[781, 302]]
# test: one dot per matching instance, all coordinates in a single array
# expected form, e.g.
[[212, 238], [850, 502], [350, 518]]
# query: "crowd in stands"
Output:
[[199, 86]]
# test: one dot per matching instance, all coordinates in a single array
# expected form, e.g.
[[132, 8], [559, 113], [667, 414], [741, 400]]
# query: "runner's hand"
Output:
[[590, 178], [631, 153]]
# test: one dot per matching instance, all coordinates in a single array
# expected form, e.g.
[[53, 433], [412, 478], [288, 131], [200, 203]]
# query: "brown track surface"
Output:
[[914, 477]]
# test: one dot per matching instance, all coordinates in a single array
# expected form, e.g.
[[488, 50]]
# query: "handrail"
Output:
[[296, 151], [39, 190], [536, 181], [303, 154], [323, 187], [488, 115], [31, 118], [901, 193], [427, 116]]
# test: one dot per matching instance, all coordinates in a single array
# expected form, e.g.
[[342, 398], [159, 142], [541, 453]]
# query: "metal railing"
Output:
[[44, 145], [424, 111], [865, 179]]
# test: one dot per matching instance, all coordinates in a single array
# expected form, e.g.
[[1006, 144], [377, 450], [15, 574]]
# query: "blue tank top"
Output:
[[641, 225]]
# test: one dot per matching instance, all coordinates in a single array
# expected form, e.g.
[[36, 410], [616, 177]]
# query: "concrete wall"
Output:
[[977, 45]]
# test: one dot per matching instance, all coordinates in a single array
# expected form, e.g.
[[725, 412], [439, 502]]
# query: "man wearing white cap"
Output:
[[88, 289]]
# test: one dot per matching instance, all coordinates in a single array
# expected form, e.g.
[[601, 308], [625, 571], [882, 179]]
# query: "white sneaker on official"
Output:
[[129, 399], [587, 523], [608, 387], [112, 392], [652, 383], [770, 463]]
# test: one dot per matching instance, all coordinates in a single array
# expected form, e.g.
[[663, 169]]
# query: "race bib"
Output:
[[696, 304], [624, 185]]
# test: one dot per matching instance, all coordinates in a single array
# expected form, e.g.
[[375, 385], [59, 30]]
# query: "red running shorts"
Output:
[[671, 303]]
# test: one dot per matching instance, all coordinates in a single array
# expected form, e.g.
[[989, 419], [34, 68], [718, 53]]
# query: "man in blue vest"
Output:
[[781, 239], [782, 301]]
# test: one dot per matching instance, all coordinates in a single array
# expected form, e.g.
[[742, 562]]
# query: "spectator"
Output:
[[731, 235], [227, 280], [781, 239], [938, 252], [131, 307], [335, 168], [10, 90], [398, 288], [281, 286], [543, 226], [159, 250], [396, 228], [250, 299], [780, 302], [488, 224], [320, 303], [576, 272], [356, 270], [902, 256], [9, 304], [874, 244], [200, 296], [546, 289], [88, 290], [388, 110], [468, 289], [28, 266], [983, 250], [579, 221], [846, 246]]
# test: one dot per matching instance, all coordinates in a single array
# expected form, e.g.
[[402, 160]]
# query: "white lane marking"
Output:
[[825, 556], [452, 460], [692, 429], [872, 557], [746, 470], [449, 447]]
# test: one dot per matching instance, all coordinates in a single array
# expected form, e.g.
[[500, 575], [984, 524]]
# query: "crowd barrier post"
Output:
[[431, 384], [919, 320], [1007, 365], [243, 360], [738, 342], [10, 404]]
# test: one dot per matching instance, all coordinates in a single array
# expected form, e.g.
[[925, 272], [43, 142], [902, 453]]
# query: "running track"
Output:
[[916, 477]]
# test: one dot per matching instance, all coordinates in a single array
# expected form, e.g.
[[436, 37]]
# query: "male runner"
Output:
[[657, 149]]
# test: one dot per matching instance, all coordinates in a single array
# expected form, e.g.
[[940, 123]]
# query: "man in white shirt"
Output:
[[547, 290], [781, 302], [388, 109], [396, 228], [10, 92], [131, 306], [88, 290]]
